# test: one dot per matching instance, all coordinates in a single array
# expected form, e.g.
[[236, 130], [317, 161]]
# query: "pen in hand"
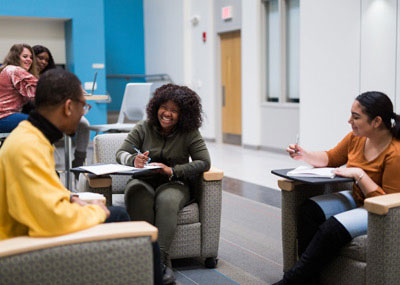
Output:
[[296, 150], [139, 152]]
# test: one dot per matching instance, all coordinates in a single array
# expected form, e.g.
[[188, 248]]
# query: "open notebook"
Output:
[[101, 169], [309, 171]]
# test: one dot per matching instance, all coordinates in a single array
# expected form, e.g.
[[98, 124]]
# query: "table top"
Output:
[[310, 180], [97, 97]]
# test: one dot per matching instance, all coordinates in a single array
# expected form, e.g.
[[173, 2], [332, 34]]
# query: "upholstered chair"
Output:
[[115, 253], [197, 234], [368, 259]]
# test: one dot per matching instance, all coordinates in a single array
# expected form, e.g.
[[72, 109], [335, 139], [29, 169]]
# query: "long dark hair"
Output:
[[39, 49], [375, 104]]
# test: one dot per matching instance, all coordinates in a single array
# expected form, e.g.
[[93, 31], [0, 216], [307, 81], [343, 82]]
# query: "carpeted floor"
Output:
[[250, 246]]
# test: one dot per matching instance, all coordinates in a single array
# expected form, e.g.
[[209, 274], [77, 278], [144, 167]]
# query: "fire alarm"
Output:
[[204, 37]]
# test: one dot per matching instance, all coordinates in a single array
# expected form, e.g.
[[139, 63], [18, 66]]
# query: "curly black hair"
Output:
[[190, 114]]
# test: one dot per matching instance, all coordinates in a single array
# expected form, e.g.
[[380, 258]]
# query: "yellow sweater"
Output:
[[32, 199]]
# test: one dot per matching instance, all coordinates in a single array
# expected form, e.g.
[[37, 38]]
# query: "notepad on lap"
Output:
[[309, 171]]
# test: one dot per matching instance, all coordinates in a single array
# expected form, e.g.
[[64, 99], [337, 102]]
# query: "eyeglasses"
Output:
[[86, 106]]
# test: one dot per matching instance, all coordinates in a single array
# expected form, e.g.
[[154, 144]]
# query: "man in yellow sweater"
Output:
[[32, 199]]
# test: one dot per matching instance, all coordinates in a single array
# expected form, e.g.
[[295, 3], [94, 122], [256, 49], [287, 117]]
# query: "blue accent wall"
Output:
[[84, 36], [96, 31], [124, 32]]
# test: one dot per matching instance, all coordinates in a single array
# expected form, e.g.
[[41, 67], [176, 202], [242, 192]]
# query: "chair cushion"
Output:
[[356, 249], [189, 214]]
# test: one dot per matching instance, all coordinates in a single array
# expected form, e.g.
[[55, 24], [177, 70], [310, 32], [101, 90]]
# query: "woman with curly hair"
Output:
[[170, 136], [18, 80]]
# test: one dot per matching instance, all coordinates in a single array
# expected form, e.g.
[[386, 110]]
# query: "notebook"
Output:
[[309, 171]]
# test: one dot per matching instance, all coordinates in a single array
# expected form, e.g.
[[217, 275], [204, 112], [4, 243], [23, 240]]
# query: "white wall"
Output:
[[378, 46], [164, 38], [202, 59], [33, 31], [329, 69], [345, 47], [251, 72]]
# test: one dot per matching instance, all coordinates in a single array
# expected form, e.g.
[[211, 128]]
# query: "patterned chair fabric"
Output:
[[367, 259], [117, 261], [199, 223]]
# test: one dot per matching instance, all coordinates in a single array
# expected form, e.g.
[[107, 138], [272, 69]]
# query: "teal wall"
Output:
[[84, 35], [124, 32], [96, 31]]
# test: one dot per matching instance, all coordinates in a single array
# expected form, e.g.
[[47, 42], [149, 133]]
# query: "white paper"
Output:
[[87, 196], [106, 168], [309, 171], [102, 169]]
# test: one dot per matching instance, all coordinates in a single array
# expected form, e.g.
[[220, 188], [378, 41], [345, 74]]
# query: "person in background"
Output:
[[18, 80], [45, 62], [371, 153], [170, 136]]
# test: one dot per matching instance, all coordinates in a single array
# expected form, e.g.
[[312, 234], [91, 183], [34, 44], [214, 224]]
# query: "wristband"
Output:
[[359, 178], [71, 196]]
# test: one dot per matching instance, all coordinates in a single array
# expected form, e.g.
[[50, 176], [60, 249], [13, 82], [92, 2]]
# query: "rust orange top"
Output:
[[384, 170]]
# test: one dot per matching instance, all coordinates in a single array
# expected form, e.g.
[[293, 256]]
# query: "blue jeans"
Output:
[[10, 122], [342, 206]]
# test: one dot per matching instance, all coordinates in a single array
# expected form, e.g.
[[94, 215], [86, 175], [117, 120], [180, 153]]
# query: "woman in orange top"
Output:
[[371, 153]]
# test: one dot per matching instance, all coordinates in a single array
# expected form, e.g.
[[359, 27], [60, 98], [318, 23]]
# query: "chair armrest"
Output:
[[119, 253], [213, 174], [210, 204], [100, 232], [383, 250], [381, 205], [97, 184], [95, 181]]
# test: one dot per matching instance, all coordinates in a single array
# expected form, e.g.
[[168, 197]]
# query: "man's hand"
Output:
[[101, 204], [75, 199]]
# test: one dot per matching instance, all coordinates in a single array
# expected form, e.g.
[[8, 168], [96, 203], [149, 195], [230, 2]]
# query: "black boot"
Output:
[[168, 273], [79, 159], [310, 218], [325, 245]]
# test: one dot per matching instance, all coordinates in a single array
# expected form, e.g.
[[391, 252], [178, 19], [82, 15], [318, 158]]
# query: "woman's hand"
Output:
[[141, 160], [166, 170], [296, 152], [351, 172]]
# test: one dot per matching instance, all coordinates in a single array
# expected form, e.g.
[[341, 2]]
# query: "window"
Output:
[[282, 50]]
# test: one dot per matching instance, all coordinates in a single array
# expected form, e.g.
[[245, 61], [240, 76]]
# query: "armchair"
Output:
[[367, 259], [197, 234], [105, 254]]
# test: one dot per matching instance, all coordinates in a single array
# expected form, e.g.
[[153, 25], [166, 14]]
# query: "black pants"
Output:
[[119, 214]]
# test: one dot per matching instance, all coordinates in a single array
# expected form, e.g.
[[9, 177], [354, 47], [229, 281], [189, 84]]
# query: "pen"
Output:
[[139, 152], [297, 142]]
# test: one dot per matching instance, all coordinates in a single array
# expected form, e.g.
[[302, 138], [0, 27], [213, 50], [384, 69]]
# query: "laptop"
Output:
[[93, 85]]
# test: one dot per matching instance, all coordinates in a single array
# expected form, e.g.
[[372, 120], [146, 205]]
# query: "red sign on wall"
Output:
[[227, 13]]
